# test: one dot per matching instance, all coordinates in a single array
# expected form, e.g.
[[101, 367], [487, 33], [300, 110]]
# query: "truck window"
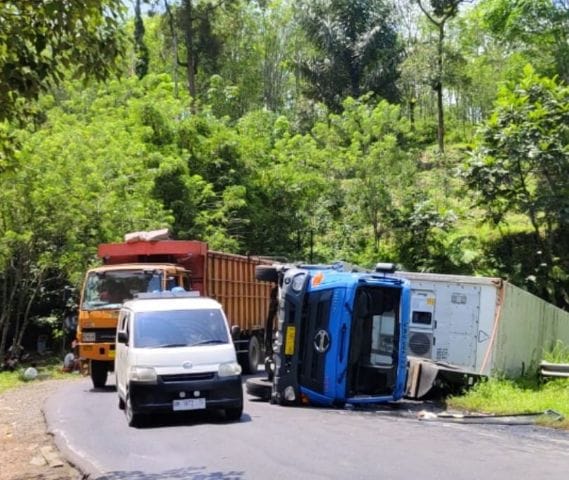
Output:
[[383, 330], [180, 327], [110, 289]]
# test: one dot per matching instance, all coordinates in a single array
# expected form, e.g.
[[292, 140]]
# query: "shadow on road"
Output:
[[176, 419]]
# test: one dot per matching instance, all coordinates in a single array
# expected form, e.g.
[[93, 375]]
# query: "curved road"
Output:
[[272, 442]]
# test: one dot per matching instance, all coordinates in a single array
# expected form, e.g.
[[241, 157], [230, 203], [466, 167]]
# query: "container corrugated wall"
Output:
[[230, 279], [528, 327]]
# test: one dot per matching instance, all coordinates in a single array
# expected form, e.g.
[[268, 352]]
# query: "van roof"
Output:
[[171, 303]]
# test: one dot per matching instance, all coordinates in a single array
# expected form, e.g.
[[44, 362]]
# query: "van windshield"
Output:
[[176, 328]]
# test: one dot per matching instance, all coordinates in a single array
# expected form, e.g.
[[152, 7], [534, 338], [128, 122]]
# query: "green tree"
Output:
[[521, 167], [355, 49], [41, 41], [87, 175], [540, 28], [439, 13], [140, 49], [192, 21]]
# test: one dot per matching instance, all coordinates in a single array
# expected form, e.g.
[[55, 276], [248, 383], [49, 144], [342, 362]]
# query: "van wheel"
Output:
[[132, 418], [99, 373], [233, 414], [251, 360]]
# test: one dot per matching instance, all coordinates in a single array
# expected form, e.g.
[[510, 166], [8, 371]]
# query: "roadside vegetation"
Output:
[[529, 394], [47, 369]]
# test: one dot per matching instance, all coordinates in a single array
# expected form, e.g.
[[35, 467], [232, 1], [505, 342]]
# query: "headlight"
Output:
[[89, 337], [289, 394], [298, 282], [230, 369], [142, 374]]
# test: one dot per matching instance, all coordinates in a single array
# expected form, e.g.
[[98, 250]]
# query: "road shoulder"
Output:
[[28, 449]]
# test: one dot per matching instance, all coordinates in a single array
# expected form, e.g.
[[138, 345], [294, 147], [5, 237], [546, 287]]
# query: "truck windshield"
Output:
[[111, 288], [176, 328]]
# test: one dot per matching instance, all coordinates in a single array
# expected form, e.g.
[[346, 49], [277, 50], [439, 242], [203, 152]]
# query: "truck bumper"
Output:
[[97, 351], [218, 393]]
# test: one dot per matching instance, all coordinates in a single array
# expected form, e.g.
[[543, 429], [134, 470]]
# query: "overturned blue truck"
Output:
[[340, 335]]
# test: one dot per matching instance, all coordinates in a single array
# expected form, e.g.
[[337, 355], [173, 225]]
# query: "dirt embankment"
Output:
[[27, 450]]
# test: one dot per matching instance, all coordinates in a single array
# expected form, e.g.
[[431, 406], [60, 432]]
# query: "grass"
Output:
[[558, 354], [48, 368], [524, 395]]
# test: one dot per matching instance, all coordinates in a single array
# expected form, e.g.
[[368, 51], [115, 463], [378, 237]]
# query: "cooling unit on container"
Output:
[[420, 344]]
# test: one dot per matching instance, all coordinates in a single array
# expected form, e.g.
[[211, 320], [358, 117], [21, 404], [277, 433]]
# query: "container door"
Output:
[[456, 324]]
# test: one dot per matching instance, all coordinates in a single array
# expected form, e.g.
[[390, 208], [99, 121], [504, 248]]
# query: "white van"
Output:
[[175, 353]]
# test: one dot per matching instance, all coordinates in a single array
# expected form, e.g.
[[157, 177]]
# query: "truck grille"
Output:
[[102, 334], [187, 377]]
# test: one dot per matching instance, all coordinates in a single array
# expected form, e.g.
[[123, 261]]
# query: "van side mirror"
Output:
[[122, 337], [235, 331]]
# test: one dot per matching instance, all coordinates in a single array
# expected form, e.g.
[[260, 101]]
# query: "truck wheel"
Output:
[[251, 358], [259, 387], [266, 273], [99, 373], [132, 418], [233, 414]]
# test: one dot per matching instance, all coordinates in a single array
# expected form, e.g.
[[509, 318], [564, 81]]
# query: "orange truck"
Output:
[[139, 265]]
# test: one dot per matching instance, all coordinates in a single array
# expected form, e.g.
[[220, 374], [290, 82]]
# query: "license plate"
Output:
[[189, 404], [289, 343]]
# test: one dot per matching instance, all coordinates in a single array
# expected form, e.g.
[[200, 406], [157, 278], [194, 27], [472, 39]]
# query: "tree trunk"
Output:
[[190, 54], [439, 90]]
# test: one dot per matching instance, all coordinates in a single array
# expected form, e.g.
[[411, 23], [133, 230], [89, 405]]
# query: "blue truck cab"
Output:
[[340, 337]]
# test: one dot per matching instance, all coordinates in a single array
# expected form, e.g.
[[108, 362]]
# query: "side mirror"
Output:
[[122, 337], [235, 331]]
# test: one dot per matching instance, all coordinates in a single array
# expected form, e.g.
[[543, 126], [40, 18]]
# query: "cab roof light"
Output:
[[385, 267]]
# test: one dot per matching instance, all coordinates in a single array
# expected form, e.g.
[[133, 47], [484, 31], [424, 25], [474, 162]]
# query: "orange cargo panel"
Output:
[[230, 279]]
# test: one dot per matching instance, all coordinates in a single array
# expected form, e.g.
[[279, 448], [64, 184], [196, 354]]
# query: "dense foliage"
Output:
[[428, 133]]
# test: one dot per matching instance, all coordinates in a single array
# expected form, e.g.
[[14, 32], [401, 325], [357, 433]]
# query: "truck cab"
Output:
[[104, 291], [341, 335]]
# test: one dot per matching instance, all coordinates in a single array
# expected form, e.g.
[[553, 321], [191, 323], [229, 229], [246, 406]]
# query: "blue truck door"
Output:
[[316, 340]]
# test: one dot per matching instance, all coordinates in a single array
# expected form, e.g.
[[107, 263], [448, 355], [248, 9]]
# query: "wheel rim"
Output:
[[254, 356]]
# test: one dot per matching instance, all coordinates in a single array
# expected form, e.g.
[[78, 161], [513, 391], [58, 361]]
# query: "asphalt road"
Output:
[[272, 442]]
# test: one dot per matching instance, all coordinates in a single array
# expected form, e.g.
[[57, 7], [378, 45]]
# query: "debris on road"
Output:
[[507, 419]]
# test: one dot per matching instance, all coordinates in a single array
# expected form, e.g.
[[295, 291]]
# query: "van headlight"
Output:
[[142, 374], [229, 369]]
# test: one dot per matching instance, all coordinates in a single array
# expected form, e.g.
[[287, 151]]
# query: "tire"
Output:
[[99, 372], [266, 273], [132, 418], [233, 414], [121, 404], [250, 360], [259, 387]]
